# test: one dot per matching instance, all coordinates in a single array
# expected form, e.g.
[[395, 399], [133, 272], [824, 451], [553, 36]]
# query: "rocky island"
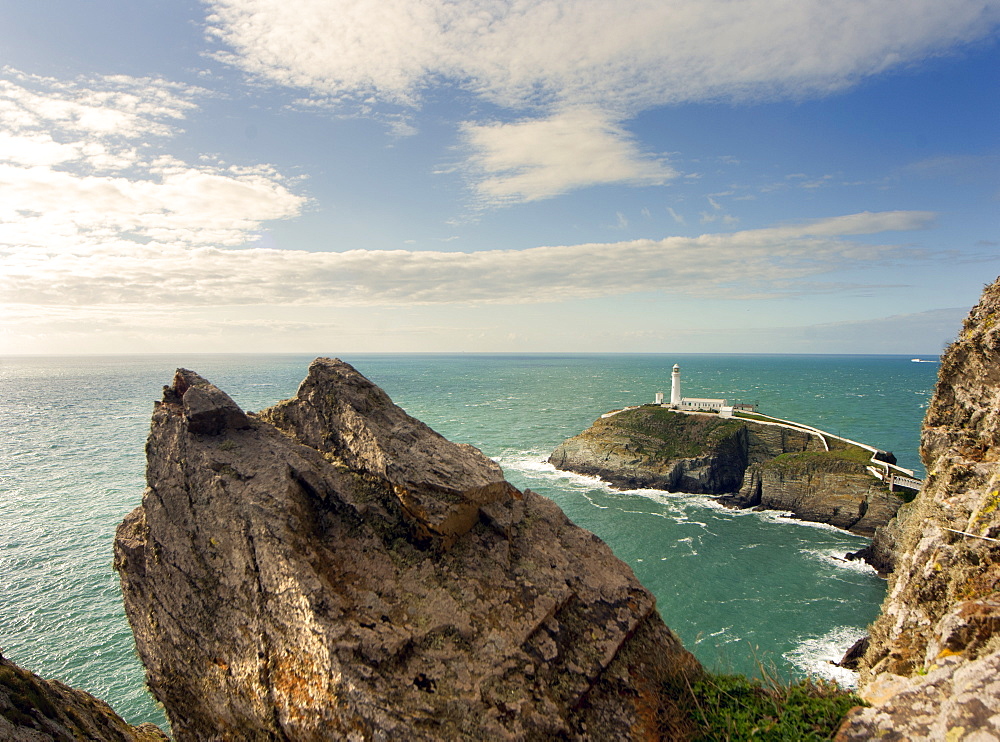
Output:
[[749, 461]]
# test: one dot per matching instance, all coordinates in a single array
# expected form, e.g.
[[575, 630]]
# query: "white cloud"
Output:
[[115, 106], [539, 158], [579, 61], [626, 55], [758, 264], [81, 172]]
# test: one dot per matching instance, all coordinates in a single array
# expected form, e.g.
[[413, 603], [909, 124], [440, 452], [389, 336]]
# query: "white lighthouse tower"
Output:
[[675, 386]]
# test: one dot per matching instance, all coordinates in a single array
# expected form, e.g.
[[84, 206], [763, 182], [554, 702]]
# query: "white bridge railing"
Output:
[[892, 479]]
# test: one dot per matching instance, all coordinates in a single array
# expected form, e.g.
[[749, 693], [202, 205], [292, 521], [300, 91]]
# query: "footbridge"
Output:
[[893, 479], [891, 474]]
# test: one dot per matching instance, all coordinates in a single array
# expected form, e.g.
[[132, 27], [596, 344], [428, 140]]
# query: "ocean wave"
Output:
[[817, 656], [835, 557]]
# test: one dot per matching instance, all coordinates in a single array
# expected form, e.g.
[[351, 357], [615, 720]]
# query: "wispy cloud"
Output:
[[628, 55], [82, 171], [758, 264], [538, 158], [560, 60]]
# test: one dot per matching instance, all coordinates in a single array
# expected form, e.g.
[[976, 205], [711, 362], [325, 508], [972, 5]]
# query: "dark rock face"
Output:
[[735, 458], [932, 670], [839, 493], [333, 569], [881, 552], [34, 710]]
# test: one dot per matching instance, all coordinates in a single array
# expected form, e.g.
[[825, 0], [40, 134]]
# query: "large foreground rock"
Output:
[[36, 710], [334, 569], [932, 670]]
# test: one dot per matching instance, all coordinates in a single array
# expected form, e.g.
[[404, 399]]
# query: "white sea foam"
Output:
[[835, 557], [597, 505], [533, 463], [816, 656], [719, 638]]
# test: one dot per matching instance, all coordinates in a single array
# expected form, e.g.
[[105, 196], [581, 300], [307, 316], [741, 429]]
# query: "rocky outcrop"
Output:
[[333, 569], [932, 670], [35, 710], [881, 552], [821, 489], [748, 463]]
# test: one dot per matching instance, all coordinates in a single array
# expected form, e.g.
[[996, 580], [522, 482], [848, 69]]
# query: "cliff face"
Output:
[[33, 709], [823, 490], [932, 670], [332, 568], [738, 458]]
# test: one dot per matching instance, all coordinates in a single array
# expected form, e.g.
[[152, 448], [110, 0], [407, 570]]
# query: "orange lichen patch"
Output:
[[298, 681], [982, 583]]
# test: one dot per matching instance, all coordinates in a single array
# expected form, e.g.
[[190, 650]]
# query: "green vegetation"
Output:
[[733, 707], [850, 454], [715, 708], [673, 435]]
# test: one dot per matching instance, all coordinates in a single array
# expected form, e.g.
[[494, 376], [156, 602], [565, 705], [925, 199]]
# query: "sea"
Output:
[[746, 591]]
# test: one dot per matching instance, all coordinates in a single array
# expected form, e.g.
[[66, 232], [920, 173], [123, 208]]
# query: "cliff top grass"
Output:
[[848, 454], [735, 707], [678, 435], [731, 707]]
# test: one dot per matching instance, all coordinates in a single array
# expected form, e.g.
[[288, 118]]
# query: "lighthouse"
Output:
[[675, 386]]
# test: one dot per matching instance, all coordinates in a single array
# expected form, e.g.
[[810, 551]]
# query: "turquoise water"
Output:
[[737, 587]]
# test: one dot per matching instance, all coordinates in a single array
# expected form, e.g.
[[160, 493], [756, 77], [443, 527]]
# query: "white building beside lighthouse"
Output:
[[678, 402]]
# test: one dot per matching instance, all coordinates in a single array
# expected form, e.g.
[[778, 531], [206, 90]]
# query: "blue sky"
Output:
[[338, 176]]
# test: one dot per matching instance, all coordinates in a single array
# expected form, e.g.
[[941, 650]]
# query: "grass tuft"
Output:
[[729, 707]]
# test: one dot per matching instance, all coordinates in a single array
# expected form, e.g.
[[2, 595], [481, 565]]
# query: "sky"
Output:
[[347, 176]]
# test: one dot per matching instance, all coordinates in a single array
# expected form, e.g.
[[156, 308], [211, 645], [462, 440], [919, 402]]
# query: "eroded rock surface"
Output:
[[333, 569], [36, 710], [931, 670]]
